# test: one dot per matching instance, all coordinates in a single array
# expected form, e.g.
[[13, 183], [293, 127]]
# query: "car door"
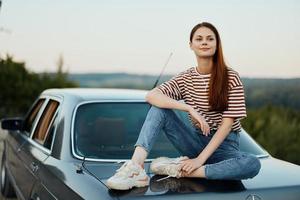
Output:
[[36, 150], [15, 142]]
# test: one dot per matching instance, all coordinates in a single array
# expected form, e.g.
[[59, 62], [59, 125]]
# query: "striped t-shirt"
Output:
[[192, 87]]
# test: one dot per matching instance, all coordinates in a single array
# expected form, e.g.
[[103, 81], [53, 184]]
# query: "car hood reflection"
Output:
[[189, 186], [171, 186]]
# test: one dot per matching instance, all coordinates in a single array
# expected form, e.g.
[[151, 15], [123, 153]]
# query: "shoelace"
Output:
[[173, 175], [163, 178], [169, 176], [168, 169]]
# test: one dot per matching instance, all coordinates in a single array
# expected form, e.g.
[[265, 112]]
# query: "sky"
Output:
[[260, 38]]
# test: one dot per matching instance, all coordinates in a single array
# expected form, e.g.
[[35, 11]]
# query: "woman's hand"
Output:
[[200, 121], [189, 165]]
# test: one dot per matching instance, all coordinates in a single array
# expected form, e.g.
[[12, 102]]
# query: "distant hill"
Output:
[[278, 92], [118, 80], [258, 91]]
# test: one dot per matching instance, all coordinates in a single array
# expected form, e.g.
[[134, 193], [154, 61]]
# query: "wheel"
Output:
[[7, 189]]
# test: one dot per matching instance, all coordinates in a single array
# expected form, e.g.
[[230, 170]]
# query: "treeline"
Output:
[[276, 92], [116, 80], [277, 129], [19, 87]]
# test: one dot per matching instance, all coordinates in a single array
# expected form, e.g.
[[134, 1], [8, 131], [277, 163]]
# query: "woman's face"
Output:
[[204, 42]]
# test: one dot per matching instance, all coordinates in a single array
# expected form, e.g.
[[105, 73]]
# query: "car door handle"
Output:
[[34, 167]]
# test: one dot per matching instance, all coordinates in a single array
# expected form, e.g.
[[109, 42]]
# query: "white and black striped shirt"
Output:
[[193, 87]]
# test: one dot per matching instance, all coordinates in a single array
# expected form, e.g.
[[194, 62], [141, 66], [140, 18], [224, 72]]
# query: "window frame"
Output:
[[73, 132], [42, 117], [52, 123]]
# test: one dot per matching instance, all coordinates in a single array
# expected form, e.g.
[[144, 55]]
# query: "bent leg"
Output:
[[228, 162], [236, 165], [180, 135]]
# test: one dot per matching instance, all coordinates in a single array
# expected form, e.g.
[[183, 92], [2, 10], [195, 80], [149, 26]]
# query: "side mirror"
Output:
[[12, 124]]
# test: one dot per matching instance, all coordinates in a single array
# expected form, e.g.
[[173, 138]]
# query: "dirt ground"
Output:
[[2, 137]]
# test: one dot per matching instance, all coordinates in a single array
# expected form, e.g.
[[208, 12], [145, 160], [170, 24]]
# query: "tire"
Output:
[[7, 189]]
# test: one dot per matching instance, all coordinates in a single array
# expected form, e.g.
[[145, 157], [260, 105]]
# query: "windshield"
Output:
[[110, 130]]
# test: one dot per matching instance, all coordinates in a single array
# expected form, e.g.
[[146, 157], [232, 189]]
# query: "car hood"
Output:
[[276, 180]]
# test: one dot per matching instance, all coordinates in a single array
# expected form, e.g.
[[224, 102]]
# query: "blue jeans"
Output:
[[226, 163]]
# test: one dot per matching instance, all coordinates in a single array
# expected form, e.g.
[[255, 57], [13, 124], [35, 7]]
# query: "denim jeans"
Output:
[[226, 163]]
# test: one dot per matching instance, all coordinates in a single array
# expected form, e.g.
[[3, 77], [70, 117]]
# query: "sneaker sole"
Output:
[[128, 186]]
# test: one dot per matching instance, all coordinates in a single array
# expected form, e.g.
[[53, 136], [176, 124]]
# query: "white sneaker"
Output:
[[167, 166], [129, 175]]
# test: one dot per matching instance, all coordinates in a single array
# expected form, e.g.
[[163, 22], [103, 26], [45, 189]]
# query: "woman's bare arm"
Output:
[[217, 139], [158, 99]]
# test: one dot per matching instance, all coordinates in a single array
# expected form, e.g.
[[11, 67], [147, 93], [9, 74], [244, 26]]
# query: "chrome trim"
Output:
[[253, 197], [262, 156], [57, 114], [39, 146], [109, 160], [55, 128], [34, 143], [51, 193], [72, 128]]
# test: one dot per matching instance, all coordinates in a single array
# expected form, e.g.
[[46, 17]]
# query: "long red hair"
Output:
[[218, 87]]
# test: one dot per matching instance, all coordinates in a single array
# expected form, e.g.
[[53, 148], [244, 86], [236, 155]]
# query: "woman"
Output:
[[213, 96]]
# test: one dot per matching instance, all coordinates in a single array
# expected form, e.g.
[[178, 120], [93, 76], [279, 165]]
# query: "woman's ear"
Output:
[[190, 43]]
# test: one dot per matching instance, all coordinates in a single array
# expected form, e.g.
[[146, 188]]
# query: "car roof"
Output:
[[87, 94]]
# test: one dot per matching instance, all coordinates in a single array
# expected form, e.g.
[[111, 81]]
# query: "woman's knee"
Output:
[[252, 164]]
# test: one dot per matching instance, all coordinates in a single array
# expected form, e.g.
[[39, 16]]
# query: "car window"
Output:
[[29, 120], [110, 130], [49, 139], [44, 124]]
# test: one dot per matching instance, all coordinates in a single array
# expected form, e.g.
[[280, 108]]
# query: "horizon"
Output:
[[137, 74]]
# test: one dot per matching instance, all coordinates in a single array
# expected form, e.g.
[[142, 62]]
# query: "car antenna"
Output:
[[162, 70], [79, 169]]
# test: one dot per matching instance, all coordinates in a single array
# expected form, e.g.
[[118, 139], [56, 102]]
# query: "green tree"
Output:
[[19, 87]]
